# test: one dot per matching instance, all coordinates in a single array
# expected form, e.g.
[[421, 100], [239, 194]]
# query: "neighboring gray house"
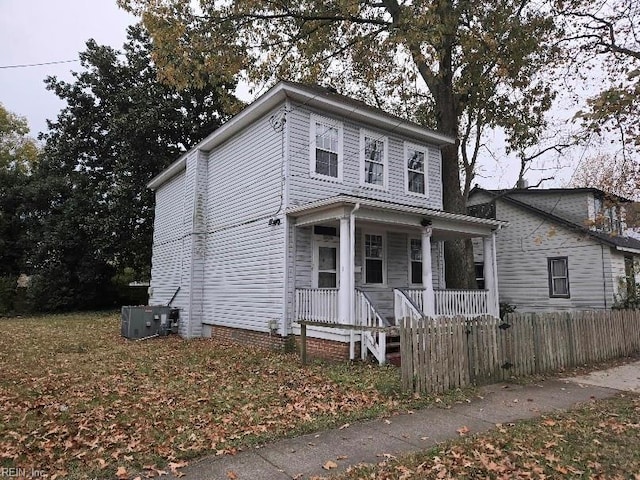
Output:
[[308, 205], [565, 248]]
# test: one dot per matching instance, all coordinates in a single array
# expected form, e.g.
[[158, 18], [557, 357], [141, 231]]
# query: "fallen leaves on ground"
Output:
[[329, 465], [84, 402], [558, 447]]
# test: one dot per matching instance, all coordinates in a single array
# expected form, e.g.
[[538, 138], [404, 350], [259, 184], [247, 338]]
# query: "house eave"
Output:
[[278, 94], [628, 250], [441, 220]]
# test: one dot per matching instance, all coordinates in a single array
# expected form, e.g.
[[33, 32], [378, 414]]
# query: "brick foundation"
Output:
[[317, 348], [320, 348]]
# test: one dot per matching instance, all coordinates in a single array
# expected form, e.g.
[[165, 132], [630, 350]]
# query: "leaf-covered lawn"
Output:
[[77, 400], [597, 441]]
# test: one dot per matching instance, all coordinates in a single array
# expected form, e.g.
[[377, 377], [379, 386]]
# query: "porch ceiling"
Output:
[[445, 225]]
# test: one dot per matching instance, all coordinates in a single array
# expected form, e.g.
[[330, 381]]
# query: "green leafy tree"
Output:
[[18, 156], [121, 126], [457, 66]]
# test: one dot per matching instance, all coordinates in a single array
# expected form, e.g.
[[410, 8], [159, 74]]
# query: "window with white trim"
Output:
[[558, 268], [373, 161], [373, 259], [415, 260], [326, 148], [416, 169], [479, 270]]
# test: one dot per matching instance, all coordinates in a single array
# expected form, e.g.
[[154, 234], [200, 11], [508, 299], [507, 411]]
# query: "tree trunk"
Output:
[[459, 269]]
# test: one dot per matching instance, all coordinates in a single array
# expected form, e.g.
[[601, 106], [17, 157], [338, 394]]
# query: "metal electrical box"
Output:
[[148, 321]]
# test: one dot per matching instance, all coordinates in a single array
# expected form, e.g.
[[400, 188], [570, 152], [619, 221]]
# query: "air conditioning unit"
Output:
[[148, 321]]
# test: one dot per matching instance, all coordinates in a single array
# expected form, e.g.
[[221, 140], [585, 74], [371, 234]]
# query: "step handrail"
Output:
[[412, 304], [383, 321], [374, 340]]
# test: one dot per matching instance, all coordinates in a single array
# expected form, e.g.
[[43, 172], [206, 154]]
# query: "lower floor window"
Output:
[[374, 258], [415, 257], [327, 267], [558, 277], [479, 268]]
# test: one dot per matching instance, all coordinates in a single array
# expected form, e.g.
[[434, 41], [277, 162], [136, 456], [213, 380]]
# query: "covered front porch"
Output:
[[367, 263]]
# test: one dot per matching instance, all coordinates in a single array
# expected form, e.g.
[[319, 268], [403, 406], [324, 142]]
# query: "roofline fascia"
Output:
[[279, 93]]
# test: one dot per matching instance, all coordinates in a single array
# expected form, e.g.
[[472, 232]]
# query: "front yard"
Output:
[[79, 401]]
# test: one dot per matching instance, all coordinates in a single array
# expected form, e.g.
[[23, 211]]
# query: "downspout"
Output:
[[604, 278], [352, 280], [495, 271]]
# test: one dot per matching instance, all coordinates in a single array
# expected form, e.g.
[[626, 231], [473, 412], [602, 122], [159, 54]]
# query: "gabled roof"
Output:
[[617, 241], [312, 96]]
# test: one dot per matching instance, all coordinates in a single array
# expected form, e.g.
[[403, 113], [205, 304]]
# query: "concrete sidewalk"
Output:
[[370, 442]]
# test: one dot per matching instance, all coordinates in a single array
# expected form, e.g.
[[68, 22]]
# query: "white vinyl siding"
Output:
[[168, 241], [178, 251], [374, 163], [325, 148], [245, 263], [523, 250], [304, 187], [572, 206]]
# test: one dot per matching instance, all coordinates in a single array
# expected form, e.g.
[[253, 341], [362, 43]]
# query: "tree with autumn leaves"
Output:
[[456, 66]]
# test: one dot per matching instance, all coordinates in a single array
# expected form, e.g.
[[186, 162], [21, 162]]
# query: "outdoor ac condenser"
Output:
[[148, 321]]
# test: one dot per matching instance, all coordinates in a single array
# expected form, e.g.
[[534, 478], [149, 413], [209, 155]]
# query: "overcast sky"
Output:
[[42, 31]]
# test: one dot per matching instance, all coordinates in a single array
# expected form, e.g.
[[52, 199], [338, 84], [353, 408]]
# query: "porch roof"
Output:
[[444, 224]]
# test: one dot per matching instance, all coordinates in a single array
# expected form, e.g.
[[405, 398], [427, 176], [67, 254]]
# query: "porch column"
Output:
[[428, 300], [490, 277], [344, 305]]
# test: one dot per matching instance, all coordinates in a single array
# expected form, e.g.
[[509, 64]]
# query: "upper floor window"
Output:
[[608, 216], [416, 169], [558, 269], [373, 160], [326, 148]]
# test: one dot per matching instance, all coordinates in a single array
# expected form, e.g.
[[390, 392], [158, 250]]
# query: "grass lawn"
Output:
[[79, 401], [597, 441]]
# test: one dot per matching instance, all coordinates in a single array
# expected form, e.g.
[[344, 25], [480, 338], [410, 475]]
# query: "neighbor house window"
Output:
[[326, 148], [415, 162], [479, 269], [608, 217], [374, 258], [558, 277], [415, 259], [373, 163]]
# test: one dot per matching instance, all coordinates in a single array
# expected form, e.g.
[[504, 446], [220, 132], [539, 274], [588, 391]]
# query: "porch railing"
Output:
[[317, 304], [374, 341], [405, 307], [468, 303]]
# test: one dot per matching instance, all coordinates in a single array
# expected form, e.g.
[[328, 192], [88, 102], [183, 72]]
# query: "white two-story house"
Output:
[[309, 205]]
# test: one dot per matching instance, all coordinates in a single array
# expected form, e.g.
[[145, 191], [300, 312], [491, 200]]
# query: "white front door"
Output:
[[326, 264]]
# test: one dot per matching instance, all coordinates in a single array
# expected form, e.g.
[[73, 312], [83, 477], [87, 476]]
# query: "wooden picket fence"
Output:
[[440, 354]]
